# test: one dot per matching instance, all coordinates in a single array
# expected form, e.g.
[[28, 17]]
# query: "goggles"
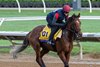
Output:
[[66, 12]]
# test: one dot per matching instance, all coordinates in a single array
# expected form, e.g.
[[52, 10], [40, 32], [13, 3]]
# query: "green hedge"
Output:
[[83, 1], [49, 3], [35, 0], [62, 1], [48, 0]]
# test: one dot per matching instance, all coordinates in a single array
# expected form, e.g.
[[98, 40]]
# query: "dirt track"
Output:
[[31, 64], [29, 61]]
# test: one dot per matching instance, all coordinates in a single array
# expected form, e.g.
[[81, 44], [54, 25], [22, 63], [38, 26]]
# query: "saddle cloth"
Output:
[[45, 33]]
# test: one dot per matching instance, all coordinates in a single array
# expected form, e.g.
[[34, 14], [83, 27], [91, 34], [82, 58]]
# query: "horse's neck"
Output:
[[68, 35]]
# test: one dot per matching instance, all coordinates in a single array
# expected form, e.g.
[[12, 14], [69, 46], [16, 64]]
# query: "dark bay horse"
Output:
[[63, 46]]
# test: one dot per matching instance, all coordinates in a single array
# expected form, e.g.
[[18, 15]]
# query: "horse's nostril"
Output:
[[80, 34]]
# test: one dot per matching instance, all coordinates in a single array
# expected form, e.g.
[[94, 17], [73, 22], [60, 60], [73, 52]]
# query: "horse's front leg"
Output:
[[63, 58], [61, 53], [67, 55], [68, 52]]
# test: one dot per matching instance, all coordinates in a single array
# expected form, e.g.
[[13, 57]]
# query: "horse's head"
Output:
[[74, 25]]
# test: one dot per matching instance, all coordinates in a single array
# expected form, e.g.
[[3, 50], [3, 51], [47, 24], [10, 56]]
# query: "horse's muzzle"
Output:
[[79, 35]]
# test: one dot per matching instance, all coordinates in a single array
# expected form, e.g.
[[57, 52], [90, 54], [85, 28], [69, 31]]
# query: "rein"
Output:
[[75, 34]]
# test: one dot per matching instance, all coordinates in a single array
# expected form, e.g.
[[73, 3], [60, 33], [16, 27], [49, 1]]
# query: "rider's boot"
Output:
[[53, 31], [50, 41]]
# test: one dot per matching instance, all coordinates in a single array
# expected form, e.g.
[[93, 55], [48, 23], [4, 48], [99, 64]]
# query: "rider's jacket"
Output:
[[57, 17]]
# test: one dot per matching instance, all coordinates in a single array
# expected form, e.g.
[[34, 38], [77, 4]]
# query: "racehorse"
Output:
[[63, 46]]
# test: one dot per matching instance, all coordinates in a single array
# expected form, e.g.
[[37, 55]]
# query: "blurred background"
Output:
[[21, 15]]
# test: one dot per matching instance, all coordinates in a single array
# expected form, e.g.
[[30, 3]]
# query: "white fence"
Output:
[[43, 18]]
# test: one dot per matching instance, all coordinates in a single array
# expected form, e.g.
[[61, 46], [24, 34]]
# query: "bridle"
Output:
[[72, 27]]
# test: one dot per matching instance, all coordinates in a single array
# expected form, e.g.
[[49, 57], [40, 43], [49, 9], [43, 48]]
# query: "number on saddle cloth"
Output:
[[44, 35]]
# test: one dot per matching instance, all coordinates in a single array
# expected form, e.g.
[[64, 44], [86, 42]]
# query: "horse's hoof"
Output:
[[13, 53], [14, 56]]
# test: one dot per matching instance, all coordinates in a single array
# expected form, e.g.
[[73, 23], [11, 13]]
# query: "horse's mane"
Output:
[[71, 18]]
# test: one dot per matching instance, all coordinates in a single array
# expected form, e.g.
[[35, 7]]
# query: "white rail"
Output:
[[44, 17], [2, 20], [19, 9], [90, 6], [22, 33]]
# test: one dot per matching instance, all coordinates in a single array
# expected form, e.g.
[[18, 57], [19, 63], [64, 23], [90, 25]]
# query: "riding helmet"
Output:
[[66, 8]]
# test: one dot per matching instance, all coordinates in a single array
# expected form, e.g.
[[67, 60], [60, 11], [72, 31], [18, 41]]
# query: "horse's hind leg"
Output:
[[43, 52], [37, 49]]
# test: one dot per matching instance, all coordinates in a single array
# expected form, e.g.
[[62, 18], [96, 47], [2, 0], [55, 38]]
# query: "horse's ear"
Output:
[[78, 15], [73, 16]]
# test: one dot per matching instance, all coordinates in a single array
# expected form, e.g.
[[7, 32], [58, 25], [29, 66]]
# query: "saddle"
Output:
[[45, 33]]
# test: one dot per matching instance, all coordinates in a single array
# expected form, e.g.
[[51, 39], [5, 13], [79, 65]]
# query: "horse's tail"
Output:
[[23, 46], [20, 48]]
